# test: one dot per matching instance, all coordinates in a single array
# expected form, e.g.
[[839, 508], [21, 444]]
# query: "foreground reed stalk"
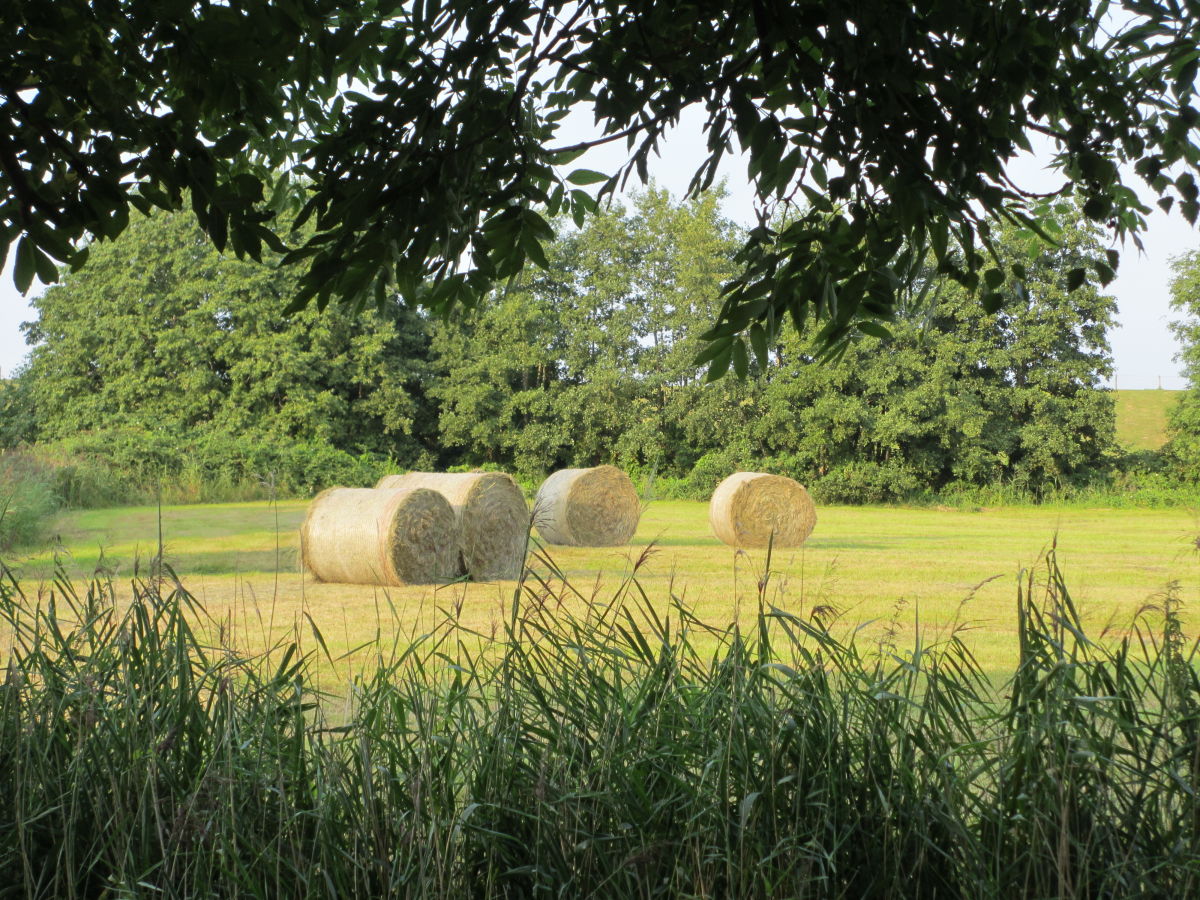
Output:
[[594, 753]]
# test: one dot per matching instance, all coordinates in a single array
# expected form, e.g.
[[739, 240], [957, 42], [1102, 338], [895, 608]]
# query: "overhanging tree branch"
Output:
[[886, 126]]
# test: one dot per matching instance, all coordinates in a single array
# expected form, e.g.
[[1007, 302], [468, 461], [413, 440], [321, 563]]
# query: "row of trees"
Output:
[[594, 358], [1184, 417], [162, 341]]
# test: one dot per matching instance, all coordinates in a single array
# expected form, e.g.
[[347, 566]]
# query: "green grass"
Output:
[[1142, 418], [618, 747], [866, 566]]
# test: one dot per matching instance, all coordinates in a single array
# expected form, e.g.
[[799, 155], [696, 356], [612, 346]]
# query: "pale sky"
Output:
[[1143, 347]]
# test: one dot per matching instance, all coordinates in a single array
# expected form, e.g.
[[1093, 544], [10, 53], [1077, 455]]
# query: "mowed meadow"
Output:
[[880, 570]]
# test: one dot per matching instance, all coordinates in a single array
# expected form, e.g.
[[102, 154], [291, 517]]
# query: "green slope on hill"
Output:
[[1142, 418]]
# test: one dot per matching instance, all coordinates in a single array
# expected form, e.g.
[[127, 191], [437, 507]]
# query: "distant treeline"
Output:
[[163, 362]]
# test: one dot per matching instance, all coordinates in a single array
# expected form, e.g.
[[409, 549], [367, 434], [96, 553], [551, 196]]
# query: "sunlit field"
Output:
[[881, 569], [1142, 418]]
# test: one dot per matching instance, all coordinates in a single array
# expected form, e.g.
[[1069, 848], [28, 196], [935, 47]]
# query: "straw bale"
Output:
[[747, 508], [587, 507], [492, 516], [364, 536]]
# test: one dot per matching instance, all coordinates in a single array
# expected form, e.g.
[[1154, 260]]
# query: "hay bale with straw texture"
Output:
[[364, 536], [587, 507], [748, 507], [493, 518]]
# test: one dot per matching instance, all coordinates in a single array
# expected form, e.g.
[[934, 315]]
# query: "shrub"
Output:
[[866, 482], [715, 466], [122, 466], [666, 487], [27, 498]]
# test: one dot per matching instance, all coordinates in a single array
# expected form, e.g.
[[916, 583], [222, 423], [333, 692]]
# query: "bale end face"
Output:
[[755, 510], [596, 507], [492, 515]]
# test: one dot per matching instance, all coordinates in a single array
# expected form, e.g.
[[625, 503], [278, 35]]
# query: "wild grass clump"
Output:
[[588, 749], [27, 499]]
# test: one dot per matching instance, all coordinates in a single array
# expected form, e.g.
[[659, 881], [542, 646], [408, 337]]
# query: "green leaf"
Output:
[[875, 329], [271, 239], [533, 249], [1076, 278], [24, 266], [563, 157], [80, 257], [720, 363], [585, 200], [47, 272], [745, 807], [758, 341], [939, 236], [232, 142], [818, 174], [1097, 208], [533, 222], [741, 361], [992, 301], [713, 350], [586, 176]]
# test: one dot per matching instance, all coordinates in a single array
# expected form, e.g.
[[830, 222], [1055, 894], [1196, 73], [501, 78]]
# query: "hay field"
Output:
[[870, 565]]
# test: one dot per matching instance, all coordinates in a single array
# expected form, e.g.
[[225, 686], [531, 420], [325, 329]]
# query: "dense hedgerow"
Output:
[[590, 749], [133, 466]]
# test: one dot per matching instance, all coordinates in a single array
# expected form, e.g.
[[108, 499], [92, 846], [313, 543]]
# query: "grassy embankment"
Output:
[[867, 565], [1142, 418]]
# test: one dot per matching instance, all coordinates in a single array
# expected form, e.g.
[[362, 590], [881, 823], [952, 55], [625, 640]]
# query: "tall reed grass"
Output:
[[27, 498], [588, 749]]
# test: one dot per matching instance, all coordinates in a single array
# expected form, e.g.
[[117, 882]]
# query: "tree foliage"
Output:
[[885, 128], [954, 395], [592, 358], [589, 360], [1184, 418], [592, 361], [163, 334]]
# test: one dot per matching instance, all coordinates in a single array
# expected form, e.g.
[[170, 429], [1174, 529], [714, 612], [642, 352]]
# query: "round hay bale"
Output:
[[587, 507], [493, 518], [748, 507], [364, 536]]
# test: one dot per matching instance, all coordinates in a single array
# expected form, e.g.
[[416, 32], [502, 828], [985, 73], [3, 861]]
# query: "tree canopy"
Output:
[[163, 355], [1184, 418], [161, 333], [423, 145], [591, 361]]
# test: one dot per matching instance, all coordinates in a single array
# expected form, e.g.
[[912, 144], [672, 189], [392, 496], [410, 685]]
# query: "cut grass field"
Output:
[[868, 566], [1142, 418]]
